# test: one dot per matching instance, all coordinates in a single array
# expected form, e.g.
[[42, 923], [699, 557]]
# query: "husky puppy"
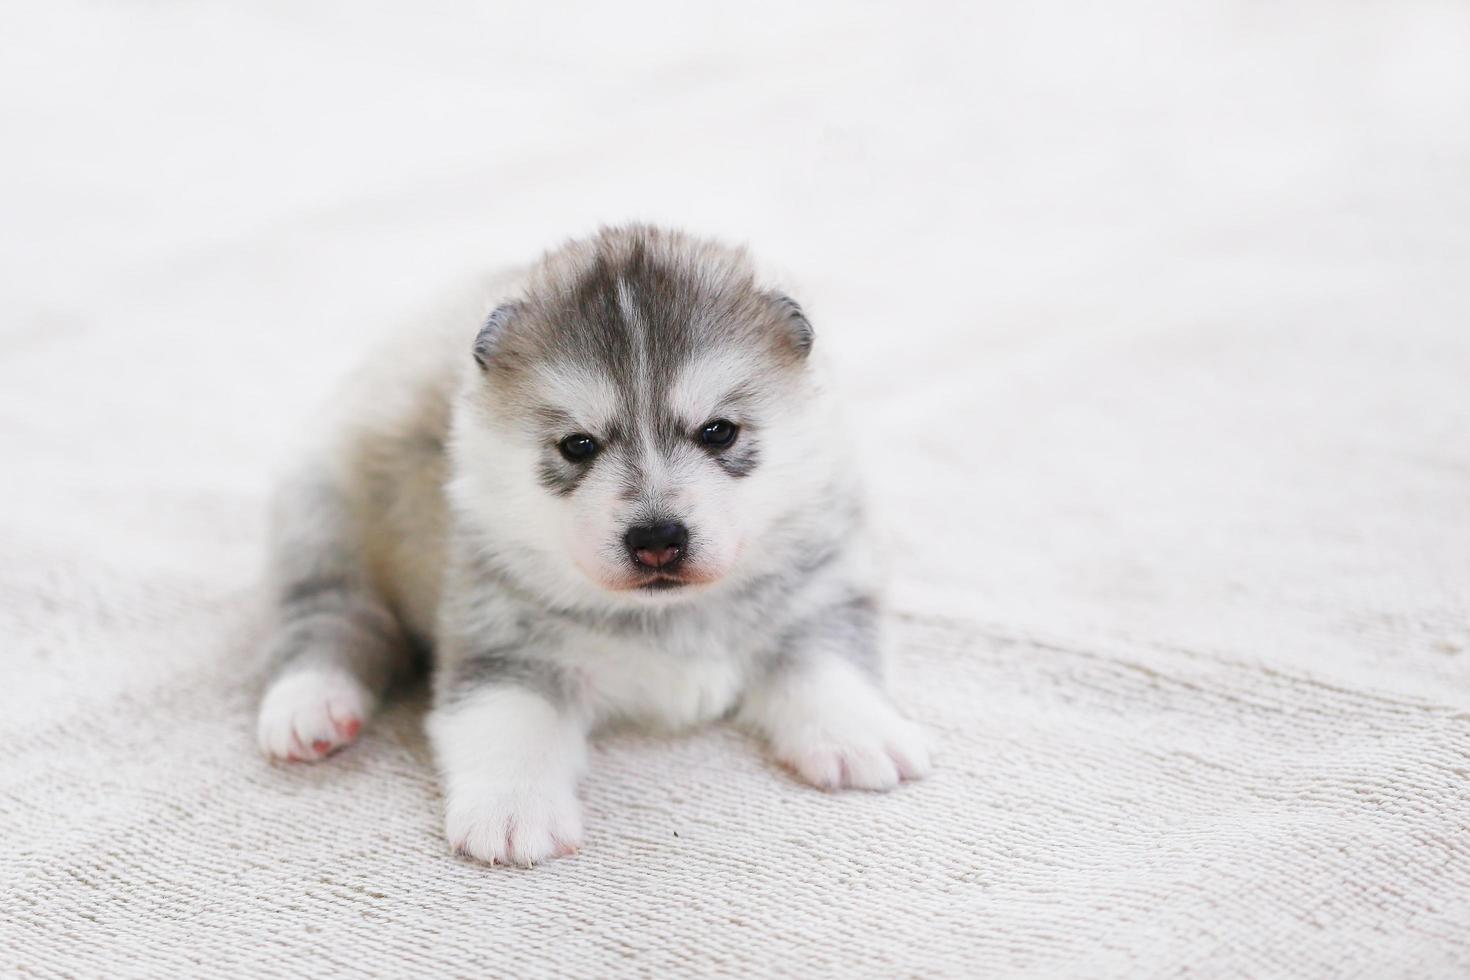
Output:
[[627, 499]]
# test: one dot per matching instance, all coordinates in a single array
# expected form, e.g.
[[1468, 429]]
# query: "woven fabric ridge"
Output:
[[1236, 803]]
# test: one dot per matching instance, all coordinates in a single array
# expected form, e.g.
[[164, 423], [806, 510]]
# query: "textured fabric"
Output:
[[1154, 327]]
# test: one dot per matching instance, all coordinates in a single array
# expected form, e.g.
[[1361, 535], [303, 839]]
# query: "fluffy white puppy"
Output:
[[625, 498]]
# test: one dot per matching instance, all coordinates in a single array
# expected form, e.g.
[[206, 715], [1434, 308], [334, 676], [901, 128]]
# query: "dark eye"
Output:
[[578, 448], [719, 433]]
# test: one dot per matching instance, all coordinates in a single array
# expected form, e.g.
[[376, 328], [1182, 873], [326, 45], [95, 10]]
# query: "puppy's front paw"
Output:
[[522, 825], [873, 748], [831, 723], [511, 761], [308, 714]]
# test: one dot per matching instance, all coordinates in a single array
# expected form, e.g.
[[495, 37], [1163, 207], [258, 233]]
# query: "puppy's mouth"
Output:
[[663, 582]]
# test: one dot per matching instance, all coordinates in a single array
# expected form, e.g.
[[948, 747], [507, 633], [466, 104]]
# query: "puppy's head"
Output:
[[639, 420]]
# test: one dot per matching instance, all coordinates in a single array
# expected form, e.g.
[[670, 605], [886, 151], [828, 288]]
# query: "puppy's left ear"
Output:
[[488, 339], [793, 319]]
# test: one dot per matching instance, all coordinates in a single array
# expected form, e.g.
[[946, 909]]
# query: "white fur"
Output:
[[704, 385], [510, 763], [664, 687], [834, 727], [311, 712], [583, 393]]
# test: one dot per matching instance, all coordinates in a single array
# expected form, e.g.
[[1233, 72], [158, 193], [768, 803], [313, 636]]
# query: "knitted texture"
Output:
[[1153, 329]]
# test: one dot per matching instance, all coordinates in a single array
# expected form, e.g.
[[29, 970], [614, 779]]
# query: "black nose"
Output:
[[657, 545]]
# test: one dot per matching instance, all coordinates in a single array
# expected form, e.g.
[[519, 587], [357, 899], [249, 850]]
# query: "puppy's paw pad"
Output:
[[308, 715], [522, 827]]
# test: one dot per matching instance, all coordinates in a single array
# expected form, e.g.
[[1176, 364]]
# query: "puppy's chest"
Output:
[[669, 680]]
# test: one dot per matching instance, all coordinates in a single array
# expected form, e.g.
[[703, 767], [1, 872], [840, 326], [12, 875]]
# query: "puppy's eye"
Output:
[[578, 448], [719, 433]]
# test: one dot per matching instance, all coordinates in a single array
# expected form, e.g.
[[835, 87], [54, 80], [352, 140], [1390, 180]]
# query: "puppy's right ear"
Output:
[[488, 339]]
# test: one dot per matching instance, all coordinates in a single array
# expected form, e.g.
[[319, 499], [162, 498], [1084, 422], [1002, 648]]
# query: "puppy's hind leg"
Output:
[[337, 645]]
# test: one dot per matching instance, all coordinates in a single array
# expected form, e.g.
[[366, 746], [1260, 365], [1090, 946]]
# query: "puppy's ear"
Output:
[[488, 339], [793, 319]]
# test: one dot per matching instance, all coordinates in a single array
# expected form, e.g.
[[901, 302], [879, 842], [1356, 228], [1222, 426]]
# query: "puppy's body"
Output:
[[625, 499]]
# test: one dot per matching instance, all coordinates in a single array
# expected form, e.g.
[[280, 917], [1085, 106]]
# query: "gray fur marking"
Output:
[[328, 614], [498, 666], [561, 476], [739, 460], [848, 628]]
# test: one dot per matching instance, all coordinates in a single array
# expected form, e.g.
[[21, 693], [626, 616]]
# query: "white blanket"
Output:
[[1157, 329]]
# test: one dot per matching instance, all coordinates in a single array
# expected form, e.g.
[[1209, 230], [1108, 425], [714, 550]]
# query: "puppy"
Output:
[[626, 498]]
